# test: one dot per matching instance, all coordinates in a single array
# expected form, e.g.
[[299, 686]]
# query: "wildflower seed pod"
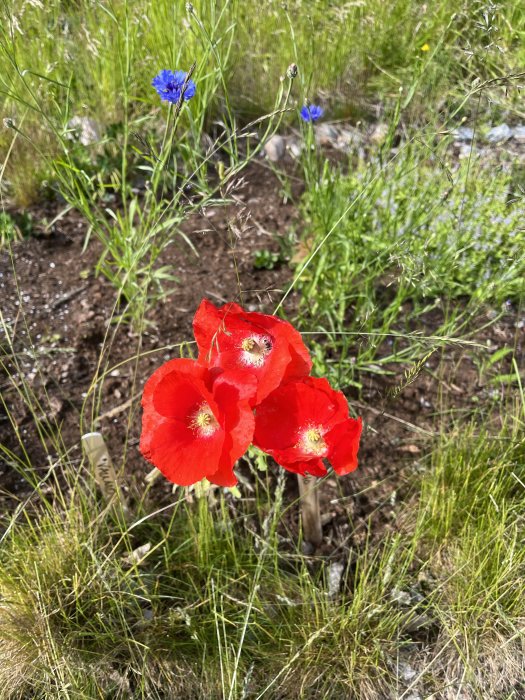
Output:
[[292, 71]]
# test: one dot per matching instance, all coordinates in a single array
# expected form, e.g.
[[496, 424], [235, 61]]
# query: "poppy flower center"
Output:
[[255, 349], [203, 422], [311, 441]]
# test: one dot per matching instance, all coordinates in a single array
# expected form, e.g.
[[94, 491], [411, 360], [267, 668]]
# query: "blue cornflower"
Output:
[[169, 84], [311, 113]]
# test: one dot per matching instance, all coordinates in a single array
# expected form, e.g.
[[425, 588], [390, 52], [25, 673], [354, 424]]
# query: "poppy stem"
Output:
[[310, 512]]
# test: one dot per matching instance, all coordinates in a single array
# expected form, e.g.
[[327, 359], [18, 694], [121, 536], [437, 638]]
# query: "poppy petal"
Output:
[[264, 345], [179, 392], [158, 374], [232, 392], [343, 443], [182, 457], [208, 322], [314, 467], [301, 362], [224, 476], [294, 406], [150, 418]]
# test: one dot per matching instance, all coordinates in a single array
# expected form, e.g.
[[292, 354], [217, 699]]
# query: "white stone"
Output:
[[379, 133], [275, 148], [349, 138], [499, 134], [464, 134], [85, 129], [467, 150], [335, 574], [518, 134], [295, 147], [326, 134], [405, 672]]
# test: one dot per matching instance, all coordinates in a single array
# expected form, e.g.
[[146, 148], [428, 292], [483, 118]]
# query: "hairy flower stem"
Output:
[[310, 513]]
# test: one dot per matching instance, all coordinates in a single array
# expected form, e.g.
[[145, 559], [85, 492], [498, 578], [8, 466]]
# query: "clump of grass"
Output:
[[470, 531], [203, 598], [465, 41], [22, 176], [463, 467], [209, 609], [388, 242]]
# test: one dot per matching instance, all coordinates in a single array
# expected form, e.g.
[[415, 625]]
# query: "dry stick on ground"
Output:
[[310, 513], [105, 476]]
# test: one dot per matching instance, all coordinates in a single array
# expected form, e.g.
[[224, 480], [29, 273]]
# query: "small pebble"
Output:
[[275, 148], [326, 135], [307, 548], [464, 134], [518, 134], [499, 134]]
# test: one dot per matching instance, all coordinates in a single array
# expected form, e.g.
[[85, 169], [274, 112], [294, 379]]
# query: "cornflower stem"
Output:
[[310, 512]]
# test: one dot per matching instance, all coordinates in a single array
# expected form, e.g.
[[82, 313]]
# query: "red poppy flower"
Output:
[[197, 422], [265, 346], [305, 421]]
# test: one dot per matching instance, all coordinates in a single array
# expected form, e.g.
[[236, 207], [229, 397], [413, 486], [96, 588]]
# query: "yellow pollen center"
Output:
[[203, 421], [313, 435], [255, 349], [312, 442]]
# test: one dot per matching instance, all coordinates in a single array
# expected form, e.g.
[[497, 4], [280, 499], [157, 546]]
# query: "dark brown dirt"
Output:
[[59, 316]]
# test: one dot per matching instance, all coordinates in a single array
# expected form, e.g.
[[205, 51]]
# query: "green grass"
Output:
[[391, 241], [472, 513], [97, 60], [136, 182], [407, 254], [215, 606]]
